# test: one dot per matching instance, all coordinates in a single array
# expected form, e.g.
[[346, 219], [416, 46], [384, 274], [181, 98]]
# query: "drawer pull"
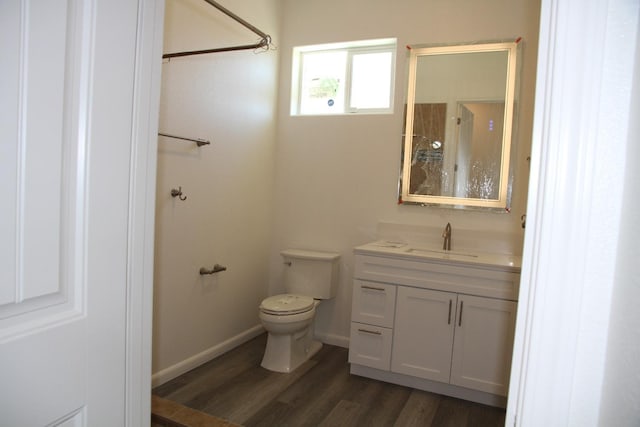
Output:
[[449, 318], [373, 288], [460, 321], [366, 331]]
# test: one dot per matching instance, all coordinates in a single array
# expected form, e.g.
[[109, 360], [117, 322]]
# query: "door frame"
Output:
[[141, 222], [584, 88], [549, 210]]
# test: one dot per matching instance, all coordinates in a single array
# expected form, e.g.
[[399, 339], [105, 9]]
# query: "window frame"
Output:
[[388, 45]]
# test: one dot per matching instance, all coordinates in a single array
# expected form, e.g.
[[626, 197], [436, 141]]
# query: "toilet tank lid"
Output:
[[305, 254]]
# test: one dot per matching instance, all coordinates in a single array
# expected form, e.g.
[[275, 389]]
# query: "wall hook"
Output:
[[178, 193]]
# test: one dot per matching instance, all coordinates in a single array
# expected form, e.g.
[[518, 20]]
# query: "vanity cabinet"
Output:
[[440, 325], [459, 339]]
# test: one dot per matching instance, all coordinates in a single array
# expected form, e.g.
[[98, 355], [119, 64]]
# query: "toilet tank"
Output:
[[311, 273]]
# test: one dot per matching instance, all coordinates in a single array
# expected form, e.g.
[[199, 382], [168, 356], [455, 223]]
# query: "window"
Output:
[[343, 78]]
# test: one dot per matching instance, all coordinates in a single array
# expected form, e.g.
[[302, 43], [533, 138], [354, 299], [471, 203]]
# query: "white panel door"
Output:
[[67, 103], [483, 344], [423, 333]]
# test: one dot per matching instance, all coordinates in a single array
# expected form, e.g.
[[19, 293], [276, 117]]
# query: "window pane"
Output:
[[322, 82], [371, 80]]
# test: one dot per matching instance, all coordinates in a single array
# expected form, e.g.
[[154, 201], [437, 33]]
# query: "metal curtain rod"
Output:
[[265, 40], [198, 141], [237, 18]]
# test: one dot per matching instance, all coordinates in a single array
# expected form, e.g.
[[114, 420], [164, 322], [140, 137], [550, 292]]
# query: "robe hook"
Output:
[[178, 193]]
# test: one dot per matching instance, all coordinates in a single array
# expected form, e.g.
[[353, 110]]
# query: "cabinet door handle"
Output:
[[449, 318], [460, 320], [366, 331], [373, 288]]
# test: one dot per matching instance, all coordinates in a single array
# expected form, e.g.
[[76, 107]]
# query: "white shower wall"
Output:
[[229, 99]]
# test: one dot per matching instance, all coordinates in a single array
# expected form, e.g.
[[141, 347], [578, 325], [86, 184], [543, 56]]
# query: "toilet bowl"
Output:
[[309, 277], [290, 342]]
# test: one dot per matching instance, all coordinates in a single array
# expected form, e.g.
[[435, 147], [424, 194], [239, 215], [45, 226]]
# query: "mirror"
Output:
[[458, 126]]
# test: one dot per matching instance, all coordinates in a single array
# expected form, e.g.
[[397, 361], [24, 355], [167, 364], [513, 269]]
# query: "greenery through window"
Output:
[[344, 78]]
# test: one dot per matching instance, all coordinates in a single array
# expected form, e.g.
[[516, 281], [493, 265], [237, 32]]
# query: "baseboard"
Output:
[[333, 339], [432, 386], [192, 362]]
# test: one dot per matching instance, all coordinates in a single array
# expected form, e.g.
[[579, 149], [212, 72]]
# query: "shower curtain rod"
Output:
[[198, 141], [265, 40]]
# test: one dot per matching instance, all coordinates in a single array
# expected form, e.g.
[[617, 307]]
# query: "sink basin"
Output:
[[389, 244], [438, 252]]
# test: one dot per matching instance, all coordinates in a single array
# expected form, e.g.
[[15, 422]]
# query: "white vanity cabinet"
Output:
[[459, 339], [442, 325]]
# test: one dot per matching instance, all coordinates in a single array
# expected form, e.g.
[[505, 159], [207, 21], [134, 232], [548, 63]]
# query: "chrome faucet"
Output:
[[446, 234]]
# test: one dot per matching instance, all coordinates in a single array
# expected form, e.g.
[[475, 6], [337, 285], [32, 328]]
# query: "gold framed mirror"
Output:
[[459, 126]]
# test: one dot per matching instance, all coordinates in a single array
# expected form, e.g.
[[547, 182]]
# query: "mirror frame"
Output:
[[502, 203]]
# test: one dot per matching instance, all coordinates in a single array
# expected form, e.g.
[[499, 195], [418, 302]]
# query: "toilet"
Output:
[[309, 277]]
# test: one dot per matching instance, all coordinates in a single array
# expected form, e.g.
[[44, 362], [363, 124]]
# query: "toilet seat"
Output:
[[287, 304]]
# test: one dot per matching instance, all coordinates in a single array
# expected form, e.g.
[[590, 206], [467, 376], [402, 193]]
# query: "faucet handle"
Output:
[[446, 234]]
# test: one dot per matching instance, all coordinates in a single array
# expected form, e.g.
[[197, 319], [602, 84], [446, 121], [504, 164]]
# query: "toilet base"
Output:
[[285, 353]]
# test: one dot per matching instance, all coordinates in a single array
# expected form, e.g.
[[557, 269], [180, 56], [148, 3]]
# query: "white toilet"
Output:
[[309, 277]]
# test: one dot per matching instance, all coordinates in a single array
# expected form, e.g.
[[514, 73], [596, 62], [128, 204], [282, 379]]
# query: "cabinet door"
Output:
[[423, 333], [373, 303], [483, 344], [370, 346]]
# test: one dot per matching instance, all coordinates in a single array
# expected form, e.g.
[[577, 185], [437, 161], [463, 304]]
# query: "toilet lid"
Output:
[[287, 304]]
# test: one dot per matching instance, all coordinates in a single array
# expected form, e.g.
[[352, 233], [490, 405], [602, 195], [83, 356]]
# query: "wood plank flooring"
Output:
[[321, 392]]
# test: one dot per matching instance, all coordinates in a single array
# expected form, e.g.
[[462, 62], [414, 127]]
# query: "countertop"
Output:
[[423, 252]]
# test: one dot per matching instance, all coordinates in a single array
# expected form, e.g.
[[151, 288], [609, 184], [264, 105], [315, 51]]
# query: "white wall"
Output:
[[337, 177], [229, 99]]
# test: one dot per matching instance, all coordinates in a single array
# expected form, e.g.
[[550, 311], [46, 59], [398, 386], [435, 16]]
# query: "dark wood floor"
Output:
[[319, 393]]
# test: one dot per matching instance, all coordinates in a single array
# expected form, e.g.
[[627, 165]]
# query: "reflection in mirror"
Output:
[[458, 126]]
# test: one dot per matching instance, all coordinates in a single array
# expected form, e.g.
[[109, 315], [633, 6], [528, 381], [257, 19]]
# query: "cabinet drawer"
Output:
[[370, 346], [373, 303]]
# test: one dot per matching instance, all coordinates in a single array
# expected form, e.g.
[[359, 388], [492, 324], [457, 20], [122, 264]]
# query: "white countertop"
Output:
[[424, 252]]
